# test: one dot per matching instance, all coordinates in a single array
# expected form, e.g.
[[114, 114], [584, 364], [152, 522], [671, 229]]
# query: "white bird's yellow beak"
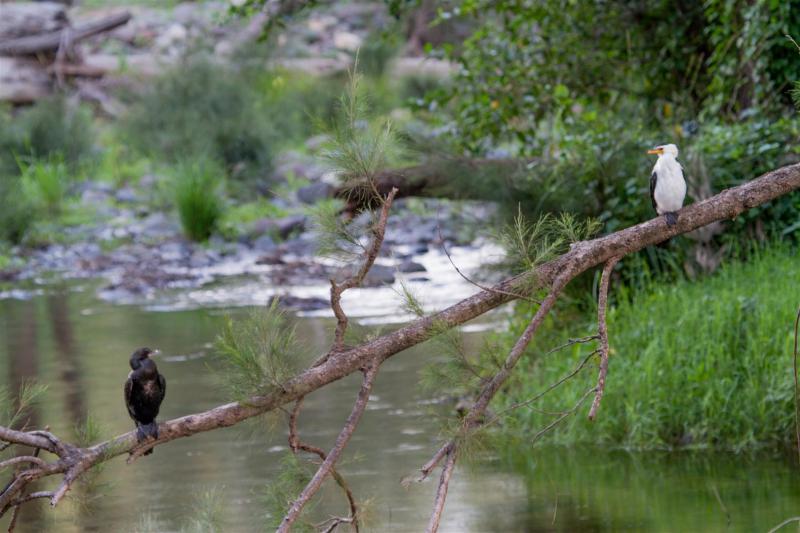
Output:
[[656, 151]]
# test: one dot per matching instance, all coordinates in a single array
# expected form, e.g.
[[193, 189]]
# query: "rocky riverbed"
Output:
[[141, 256]]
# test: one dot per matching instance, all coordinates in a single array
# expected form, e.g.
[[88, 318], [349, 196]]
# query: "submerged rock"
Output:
[[409, 266]]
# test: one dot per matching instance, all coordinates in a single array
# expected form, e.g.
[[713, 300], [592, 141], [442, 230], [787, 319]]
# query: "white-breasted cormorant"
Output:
[[144, 391], [667, 185]]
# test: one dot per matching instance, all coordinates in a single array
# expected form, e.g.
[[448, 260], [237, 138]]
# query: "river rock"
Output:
[[409, 266], [126, 195], [311, 194], [288, 225], [263, 244]]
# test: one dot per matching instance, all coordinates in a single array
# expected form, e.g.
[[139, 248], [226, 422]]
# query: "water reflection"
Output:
[[80, 347]]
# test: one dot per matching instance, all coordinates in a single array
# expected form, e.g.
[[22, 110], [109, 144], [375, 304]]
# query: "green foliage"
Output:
[[14, 408], [530, 244], [258, 353], [87, 432], [698, 364], [336, 237], [359, 147], [17, 215], [197, 193], [55, 127], [201, 110], [45, 183], [526, 59], [207, 513], [293, 476], [236, 218]]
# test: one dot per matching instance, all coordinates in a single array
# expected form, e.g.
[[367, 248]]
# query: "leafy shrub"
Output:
[[17, 215], [56, 127], [197, 195], [203, 110], [45, 182], [701, 364]]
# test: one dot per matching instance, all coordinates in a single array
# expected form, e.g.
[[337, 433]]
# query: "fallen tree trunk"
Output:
[[31, 18], [23, 80], [51, 41], [456, 178]]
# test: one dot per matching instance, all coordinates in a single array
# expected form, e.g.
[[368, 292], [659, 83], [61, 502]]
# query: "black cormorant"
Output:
[[144, 392]]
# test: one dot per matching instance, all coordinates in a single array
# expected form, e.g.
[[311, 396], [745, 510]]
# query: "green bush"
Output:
[[45, 183], [703, 363], [201, 110], [197, 195], [17, 215], [56, 127]]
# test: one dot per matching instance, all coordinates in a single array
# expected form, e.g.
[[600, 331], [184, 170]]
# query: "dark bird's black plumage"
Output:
[[144, 392]]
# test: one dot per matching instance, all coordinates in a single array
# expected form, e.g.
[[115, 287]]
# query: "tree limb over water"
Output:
[[72, 461]]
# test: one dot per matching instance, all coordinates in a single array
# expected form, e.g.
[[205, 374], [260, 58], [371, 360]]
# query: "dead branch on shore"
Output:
[[71, 461]]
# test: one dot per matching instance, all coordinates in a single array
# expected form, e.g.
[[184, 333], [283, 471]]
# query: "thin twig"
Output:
[[470, 280], [296, 445], [563, 416], [475, 416], [784, 523], [23, 459], [333, 456], [602, 332], [550, 388], [441, 491], [356, 279], [796, 386]]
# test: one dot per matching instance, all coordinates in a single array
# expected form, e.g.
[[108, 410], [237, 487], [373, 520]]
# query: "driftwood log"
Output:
[[31, 18], [493, 180], [38, 48], [49, 42]]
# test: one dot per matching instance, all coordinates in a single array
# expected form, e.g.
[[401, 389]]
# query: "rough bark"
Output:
[[49, 42], [73, 461], [30, 18], [436, 179], [23, 80]]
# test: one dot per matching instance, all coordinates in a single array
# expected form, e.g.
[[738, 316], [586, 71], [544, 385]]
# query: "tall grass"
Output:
[[198, 197], [45, 182], [704, 364], [16, 213]]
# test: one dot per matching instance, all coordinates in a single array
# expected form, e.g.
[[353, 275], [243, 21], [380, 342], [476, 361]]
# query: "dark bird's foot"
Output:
[[145, 432], [672, 218]]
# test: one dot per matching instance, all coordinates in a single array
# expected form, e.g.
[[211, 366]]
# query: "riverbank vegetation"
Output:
[[693, 364]]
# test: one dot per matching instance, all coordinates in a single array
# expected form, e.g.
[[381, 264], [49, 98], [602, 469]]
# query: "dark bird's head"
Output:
[[140, 356]]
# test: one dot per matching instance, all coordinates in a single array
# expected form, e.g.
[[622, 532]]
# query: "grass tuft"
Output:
[[197, 190]]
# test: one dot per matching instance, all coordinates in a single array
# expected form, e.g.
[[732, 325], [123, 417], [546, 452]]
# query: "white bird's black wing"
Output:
[[653, 179]]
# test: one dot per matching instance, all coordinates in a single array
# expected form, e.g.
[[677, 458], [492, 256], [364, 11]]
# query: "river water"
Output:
[[78, 346]]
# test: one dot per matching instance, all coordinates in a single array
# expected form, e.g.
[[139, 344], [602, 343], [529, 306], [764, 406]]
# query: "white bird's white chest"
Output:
[[670, 188]]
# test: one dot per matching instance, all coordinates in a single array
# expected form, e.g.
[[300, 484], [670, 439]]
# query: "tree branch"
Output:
[[329, 462], [356, 279], [441, 491], [552, 275], [602, 333]]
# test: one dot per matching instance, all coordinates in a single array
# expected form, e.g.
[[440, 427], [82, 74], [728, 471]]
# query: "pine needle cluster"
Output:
[[258, 352], [13, 409]]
